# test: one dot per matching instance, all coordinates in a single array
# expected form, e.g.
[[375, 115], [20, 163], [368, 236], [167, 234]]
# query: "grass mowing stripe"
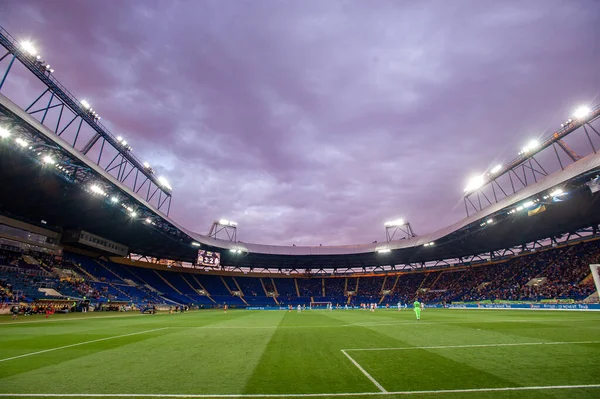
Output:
[[471, 346], [292, 395], [12, 323], [80, 343], [373, 380]]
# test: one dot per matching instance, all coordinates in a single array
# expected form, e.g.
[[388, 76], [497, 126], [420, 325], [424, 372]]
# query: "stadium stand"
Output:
[[560, 273]]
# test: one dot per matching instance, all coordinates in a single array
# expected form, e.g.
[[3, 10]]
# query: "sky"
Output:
[[314, 122]]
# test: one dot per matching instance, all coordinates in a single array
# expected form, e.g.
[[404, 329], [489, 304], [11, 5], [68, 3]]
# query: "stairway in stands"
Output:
[[172, 286], [204, 289]]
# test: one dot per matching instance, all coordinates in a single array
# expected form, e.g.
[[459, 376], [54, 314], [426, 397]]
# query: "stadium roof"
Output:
[[39, 193]]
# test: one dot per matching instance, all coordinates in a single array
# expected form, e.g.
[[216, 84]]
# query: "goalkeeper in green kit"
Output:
[[417, 308]]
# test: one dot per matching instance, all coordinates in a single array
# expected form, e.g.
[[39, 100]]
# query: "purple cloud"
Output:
[[314, 122]]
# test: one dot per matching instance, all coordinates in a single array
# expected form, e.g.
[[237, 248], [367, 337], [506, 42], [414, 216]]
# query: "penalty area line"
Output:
[[404, 348], [78, 344], [369, 376], [291, 395]]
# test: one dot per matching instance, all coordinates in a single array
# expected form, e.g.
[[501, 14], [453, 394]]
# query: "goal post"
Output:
[[320, 305], [596, 276]]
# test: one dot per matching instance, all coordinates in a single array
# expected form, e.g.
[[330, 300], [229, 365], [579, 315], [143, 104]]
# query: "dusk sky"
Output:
[[312, 122]]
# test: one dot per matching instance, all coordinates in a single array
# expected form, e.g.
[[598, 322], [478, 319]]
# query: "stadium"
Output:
[[103, 294]]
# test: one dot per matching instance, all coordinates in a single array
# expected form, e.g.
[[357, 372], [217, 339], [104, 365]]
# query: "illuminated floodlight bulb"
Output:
[[85, 104], [528, 204], [224, 222], [148, 220], [124, 143], [4, 133], [133, 214], [146, 165], [196, 244], [394, 223], [114, 200], [29, 48], [164, 182], [232, 223], [119, 139], [490, 221], [557, 193], [49, 160], [21, 142], [582, 112], [474, 183], [532, 145], [496, 169], [97, 189], [384, 251]]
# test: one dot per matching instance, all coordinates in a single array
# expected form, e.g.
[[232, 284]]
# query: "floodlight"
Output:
[[48, 159], [148, 220], [133, 214], [496, 169], [97, 189], [4, 132], [394, 223], [232, 223], [196, 244], [119, 139], [528, 204], [21, 142], [490, 221], [146, 165], [557, 193], [582, 112], [85, 104], [28, 47], [164, 182], [384, 251], [224, 222], [124, 142], [474, 183], [114, 200], [532, 145]]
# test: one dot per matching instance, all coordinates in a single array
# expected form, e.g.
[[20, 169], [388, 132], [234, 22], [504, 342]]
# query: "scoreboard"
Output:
[[208, 258]]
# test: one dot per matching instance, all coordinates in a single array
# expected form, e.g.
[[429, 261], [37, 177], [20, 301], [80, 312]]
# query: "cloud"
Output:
[[314, 122]]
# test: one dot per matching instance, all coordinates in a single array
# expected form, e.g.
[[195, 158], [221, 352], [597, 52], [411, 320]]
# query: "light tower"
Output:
[[392, 227], [224, 225]]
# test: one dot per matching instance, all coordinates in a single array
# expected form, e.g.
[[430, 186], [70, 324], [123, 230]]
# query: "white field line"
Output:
[[291, 395], [80, 343], [471, 346], [373, 380]]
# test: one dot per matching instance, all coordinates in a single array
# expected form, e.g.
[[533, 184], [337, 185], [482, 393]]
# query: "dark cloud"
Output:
[[313, 122]]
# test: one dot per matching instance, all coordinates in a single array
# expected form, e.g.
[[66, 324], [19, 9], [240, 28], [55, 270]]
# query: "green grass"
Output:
[[276, 352]]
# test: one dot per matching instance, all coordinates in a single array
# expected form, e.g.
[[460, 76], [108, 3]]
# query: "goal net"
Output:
[[596, 276], [320, 305]]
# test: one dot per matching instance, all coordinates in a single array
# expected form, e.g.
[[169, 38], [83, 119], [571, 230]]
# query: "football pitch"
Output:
[[316, 353]]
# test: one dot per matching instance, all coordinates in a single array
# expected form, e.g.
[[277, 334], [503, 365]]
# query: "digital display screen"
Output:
[[207, 258]]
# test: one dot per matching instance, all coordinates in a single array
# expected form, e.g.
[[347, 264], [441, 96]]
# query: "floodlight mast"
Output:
[[226, 226], [395, 226]]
